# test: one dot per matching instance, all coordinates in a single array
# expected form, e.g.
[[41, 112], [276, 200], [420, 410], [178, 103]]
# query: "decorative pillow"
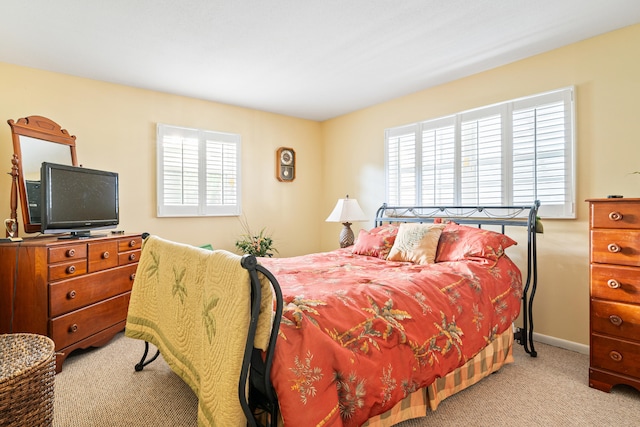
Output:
[[377, 242], [416, 243], [459, 242]]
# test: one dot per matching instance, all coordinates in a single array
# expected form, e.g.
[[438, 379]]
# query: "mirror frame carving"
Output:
[[40, 128]]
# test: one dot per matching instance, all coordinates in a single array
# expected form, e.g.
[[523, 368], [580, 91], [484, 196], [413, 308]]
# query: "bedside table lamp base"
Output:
[[346, 235]]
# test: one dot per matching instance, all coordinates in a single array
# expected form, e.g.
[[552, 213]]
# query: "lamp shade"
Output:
[[347, 210]]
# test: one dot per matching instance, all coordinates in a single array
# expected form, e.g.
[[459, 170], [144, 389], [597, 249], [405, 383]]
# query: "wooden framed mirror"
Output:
[[36, 139]]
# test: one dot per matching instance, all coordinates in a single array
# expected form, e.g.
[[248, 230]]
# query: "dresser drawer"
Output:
[[102, 255], [617, 214], [615, 283], [66, 270], [69, 295], [615, 247], [615, 355], [615, 318], [67, 253], [125, 258], [77, 325], [129, 244]]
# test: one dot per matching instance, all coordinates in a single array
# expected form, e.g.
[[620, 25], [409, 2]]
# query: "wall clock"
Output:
[[285, 164]]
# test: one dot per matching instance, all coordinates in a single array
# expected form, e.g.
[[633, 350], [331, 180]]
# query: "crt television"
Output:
[[33, 197], [76, 200]]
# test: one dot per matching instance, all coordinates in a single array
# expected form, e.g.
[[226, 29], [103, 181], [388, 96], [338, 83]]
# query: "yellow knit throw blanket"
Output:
[[193, 305]]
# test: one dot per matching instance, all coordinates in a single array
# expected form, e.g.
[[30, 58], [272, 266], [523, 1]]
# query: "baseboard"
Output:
[[558, 342]]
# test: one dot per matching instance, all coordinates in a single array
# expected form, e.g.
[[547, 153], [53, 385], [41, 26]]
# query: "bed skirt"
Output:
[[489, 360]]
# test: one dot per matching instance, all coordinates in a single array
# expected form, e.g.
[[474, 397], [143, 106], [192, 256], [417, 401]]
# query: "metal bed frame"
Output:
[[501, 216], [260, 405]]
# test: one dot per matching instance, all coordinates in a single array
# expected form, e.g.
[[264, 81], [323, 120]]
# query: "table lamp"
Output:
[[346, 211]]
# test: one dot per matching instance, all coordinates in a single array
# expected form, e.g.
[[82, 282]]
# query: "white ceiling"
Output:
[[303, 58]]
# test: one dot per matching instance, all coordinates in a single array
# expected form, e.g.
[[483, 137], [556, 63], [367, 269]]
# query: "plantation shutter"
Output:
[[222, 166], [542, 153], [481, 168], [198, 172], [511, 153], [438, 162], [401, 164]]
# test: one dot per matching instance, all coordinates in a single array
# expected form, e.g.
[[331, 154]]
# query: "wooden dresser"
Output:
[[74, 291], [615, 293]]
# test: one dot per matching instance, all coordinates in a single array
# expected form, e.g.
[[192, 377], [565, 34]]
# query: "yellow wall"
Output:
[[115, 128], [606, 73]]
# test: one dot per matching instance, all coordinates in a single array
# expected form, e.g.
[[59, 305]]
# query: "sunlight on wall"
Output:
[[604, 71]]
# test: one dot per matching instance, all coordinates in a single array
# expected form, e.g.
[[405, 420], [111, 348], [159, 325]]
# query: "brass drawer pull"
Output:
[[71, 294], [71, 269], [615, 216], [133, 276], [132, 243], [613, 284], [71, 253], [73, 328], [132, 257], [613, 248], [615, 319], [105, 255], [615, 356]]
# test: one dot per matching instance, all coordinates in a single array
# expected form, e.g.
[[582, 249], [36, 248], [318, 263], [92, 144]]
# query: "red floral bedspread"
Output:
[[359, 333]]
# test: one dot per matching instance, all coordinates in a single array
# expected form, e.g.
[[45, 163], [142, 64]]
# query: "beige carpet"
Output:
[[99, 387]]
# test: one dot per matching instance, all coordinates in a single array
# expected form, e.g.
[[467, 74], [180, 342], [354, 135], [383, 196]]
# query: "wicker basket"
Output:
[[27, 372]]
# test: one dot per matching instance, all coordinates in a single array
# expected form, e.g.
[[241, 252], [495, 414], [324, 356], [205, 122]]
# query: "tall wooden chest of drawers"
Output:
[[74, 291], [615, 293]]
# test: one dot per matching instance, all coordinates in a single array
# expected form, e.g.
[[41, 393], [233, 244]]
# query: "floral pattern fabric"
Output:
[[376, 242], [359, 333], [459, 242], [416, 243]]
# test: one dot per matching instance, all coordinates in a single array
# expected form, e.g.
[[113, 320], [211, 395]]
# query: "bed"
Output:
[[422, 306]]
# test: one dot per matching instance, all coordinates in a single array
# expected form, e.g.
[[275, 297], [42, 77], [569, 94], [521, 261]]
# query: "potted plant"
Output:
[[260, 244]]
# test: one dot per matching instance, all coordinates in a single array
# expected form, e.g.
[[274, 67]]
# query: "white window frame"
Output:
[[447, 187], [229, 166]]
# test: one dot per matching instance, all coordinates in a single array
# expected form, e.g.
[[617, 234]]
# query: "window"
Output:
[[511, 153], [198, 172]]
